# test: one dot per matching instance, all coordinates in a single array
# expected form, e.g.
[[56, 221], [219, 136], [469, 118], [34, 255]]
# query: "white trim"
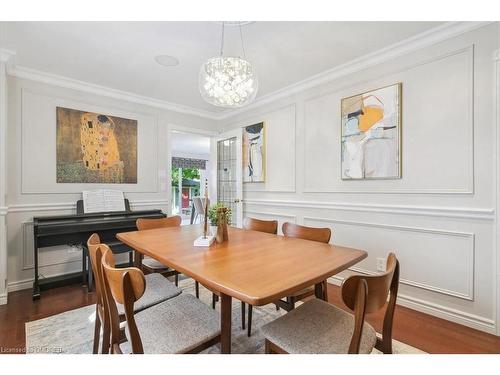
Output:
[[65, 206], [406, 46], [14, 286], [70, 83], [469, 295], [6, 55], [496, 55], [496, 195], [3, 298], [440, 311], [5, 60], [451, 212]]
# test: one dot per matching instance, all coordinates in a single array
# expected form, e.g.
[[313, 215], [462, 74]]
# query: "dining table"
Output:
[[253, 267]]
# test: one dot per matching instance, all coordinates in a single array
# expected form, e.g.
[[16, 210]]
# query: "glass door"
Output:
[[229, 174]]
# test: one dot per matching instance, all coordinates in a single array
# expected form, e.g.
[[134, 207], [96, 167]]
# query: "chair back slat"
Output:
[[307, 233], [145, 224], [267, 226], [95, 261], [124, 286], [378, 287], [359, 316]]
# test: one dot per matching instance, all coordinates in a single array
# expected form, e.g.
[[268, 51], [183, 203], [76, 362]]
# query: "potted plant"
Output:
[[213, 218]]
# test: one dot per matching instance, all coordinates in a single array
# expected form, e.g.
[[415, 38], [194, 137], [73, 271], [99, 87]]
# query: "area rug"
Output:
[[72, 332]]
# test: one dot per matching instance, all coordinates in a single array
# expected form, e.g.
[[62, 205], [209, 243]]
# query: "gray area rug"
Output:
[[72, 332]]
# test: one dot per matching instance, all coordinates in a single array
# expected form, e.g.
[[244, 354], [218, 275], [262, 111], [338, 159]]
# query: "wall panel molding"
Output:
[[461, 190], [468, 295], [470, 320], [148, 128], [407, 46], [71, 206], [91, 88], [432, 211]]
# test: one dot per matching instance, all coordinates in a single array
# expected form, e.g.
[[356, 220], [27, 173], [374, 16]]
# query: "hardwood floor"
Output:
[[422, 331]]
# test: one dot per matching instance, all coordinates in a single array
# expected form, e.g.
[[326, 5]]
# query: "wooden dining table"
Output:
[[253, 267]]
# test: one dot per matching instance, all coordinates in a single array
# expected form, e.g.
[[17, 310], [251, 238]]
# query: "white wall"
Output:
[[439, 218], [31, 184]]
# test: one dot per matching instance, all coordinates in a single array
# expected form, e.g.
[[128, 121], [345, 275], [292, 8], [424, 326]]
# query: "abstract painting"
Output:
[[95, 148], [254, 153], [371, 134]]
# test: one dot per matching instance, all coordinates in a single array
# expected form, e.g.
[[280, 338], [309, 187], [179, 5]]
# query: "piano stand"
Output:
[[75, 230]]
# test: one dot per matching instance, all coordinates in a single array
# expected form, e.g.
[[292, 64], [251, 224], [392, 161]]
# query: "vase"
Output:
[[221, 225]]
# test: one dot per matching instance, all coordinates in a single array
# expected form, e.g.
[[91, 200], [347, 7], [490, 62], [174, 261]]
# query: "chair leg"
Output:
[[214, 300], [250, 309], [268, 347], [197, 289], [97, 332], [176, 279], [325, 291], [243, 315], [277, 308], [106, 335]]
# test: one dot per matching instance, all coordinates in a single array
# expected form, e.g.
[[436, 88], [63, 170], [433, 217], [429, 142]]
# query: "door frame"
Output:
[[168, 170]]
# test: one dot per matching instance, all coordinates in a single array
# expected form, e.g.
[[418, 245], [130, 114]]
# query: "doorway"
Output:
[[190, 168]]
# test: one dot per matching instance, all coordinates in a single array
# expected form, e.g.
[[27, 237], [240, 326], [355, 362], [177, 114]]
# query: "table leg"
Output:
[[225, 324], [319, 291], [137, 259]]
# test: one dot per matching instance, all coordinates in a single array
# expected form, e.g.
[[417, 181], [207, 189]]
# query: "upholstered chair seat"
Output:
[[316, 327], [158, 289], [153, 264], [177, 325]]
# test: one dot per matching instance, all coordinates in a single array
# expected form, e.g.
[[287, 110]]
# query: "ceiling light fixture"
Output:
[[228, 81]]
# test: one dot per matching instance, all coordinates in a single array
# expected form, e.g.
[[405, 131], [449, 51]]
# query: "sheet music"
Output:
[[103, 201]]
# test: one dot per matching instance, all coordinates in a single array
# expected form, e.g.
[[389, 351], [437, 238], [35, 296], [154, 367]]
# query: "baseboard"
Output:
[[19, 285], [3, 299], [469, 320]]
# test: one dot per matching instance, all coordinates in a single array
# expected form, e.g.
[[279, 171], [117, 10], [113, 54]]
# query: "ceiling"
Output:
[[120, 55], [189, 144]]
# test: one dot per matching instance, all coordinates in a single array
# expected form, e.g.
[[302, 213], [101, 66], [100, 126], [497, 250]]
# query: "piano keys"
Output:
[[74, 230]]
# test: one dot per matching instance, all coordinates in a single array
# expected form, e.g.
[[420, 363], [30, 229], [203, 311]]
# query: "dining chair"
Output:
[[319, 327], [266, 226], [182, 324], [159, 289], [311, 234], [152, 265], [199, 207]]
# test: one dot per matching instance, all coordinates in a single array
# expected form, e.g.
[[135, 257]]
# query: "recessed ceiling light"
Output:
[[167, 60]]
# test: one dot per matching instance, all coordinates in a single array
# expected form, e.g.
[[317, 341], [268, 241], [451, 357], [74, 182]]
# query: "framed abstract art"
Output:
[[371, 134], [254, 153]]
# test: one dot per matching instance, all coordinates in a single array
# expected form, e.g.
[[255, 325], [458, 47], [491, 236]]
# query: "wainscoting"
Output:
[[54, 260], [438, 262]]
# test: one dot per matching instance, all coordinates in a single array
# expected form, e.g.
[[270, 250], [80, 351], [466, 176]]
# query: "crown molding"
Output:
[[496, 55], [70, 83], [425, 39], [414, 43], [6, 55]]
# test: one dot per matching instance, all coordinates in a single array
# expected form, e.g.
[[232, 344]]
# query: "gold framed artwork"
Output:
[[95, 148], [254, 153], [371, 134]]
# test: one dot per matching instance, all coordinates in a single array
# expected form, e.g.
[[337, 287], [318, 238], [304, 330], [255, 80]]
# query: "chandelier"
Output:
[[228, 81]]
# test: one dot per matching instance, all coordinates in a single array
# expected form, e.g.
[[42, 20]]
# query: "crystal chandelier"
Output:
[[228, 81]]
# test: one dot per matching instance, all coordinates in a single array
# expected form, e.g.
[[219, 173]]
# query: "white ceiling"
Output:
[[120, 55], [190, 145]]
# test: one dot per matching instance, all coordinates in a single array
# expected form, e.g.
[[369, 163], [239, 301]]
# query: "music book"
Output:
[[103, 201]]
